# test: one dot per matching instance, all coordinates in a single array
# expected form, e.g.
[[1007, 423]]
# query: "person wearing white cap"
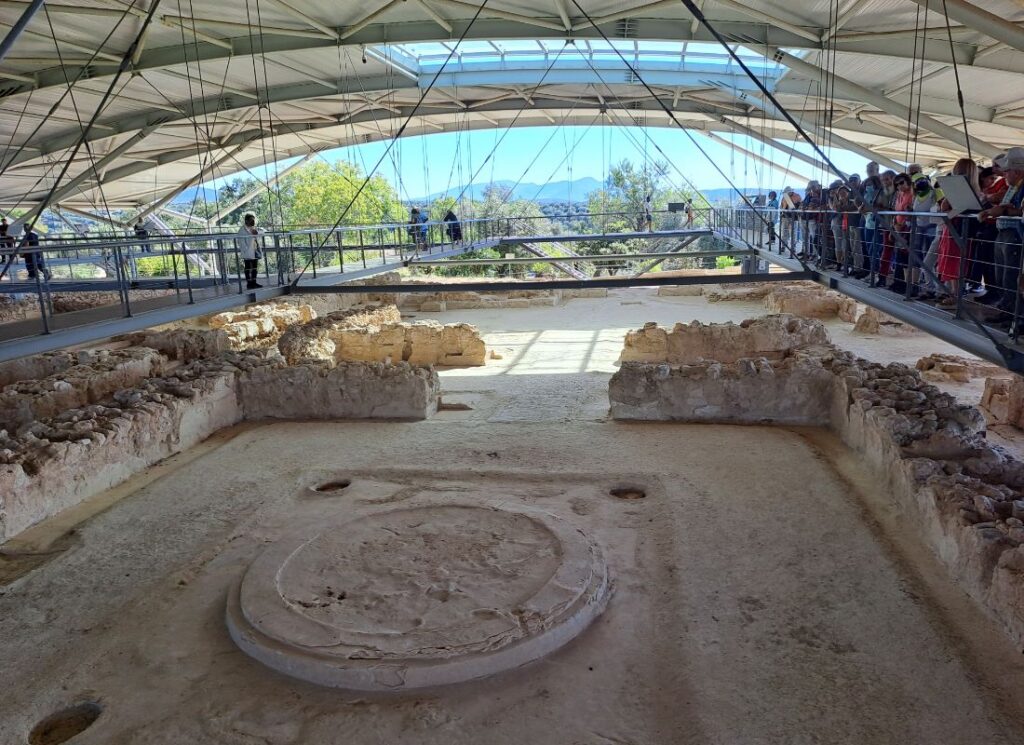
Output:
[[1008, 237]]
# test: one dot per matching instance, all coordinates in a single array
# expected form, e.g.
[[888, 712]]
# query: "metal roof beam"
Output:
[[981, 20], [749, 33], [853, 91]]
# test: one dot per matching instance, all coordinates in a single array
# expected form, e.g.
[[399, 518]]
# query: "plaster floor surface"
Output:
[[763, 591]]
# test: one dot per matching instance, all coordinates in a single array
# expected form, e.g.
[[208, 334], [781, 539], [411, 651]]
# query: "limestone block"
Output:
[[1003, 400], [850, 309], [680, 290], [649, 344], [809, 302], [873, 321], [370, 344], [434, 306], [351, 390], [423, 343], [461, 345], [943, 368]]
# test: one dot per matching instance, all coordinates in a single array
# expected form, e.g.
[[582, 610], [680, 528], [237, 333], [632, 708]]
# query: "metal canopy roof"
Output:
[[237, 85]]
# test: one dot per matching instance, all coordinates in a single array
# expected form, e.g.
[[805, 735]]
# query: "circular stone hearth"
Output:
[[418, 596]]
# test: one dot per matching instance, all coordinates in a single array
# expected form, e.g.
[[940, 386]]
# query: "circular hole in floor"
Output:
[[65, 724], [628, 492], [330, 486]]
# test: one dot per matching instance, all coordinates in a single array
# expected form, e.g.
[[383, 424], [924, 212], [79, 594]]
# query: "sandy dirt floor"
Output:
[[764, 590]]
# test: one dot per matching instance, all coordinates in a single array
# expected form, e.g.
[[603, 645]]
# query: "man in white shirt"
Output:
[[248, 243]]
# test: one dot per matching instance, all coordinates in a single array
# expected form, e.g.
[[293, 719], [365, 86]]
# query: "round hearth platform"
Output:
[[418, 596]]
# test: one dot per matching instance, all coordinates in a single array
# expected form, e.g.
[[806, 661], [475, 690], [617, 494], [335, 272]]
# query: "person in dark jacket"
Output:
[[453, 227]]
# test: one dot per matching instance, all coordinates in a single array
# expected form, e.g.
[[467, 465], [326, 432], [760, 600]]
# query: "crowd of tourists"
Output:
[[937, 252]]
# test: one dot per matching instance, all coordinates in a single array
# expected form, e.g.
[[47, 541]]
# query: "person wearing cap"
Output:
[[1008, 235]]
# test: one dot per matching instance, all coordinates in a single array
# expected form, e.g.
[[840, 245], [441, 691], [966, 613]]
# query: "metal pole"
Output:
[[19, 26]]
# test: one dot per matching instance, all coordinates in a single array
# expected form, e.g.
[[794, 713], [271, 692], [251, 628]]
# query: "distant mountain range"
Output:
[[191, 194], [559, 191], [555, 191]]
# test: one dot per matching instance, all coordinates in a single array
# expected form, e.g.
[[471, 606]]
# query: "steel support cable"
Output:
[[566, 157], [913, 81], [397, 136], [9, 160], [699, 16], [684, 130], [126, 62], [920, 82], [956, 75], [78, 115], [522, 108], [273, 140], [541, 150]]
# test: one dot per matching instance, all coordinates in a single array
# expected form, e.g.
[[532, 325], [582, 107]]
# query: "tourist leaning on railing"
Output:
[[1008, 236], [951, 259], [885, 203], [871, 235]]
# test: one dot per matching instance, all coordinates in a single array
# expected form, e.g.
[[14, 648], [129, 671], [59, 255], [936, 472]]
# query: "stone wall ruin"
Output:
[[966, 495], [75, 424]]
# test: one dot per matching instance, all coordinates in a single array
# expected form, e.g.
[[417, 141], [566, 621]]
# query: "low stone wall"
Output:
[[809, 302], [456, 299], [56, 462], [794, 391], [347, 391], [377, 335], [97, 376], [964, 493], [315, 340], [772, 337]]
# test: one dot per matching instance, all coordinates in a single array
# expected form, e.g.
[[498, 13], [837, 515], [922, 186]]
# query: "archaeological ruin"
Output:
[[512, 372]]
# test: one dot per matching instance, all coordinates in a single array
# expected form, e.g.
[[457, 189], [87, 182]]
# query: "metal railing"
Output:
[[196, 266], [960, 264]]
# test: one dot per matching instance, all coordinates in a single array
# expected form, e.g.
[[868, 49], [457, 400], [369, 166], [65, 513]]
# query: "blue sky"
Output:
[[432, 163]]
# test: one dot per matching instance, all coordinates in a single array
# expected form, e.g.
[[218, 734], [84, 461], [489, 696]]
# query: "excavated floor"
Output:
[[763, 591]]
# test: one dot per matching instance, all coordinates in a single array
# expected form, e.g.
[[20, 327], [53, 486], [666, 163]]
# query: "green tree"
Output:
[[318, 194]]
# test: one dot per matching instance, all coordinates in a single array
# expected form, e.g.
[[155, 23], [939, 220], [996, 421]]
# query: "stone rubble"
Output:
[[967, 495], [873, 321], [260, 325], [96, 376], [946, 368]]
